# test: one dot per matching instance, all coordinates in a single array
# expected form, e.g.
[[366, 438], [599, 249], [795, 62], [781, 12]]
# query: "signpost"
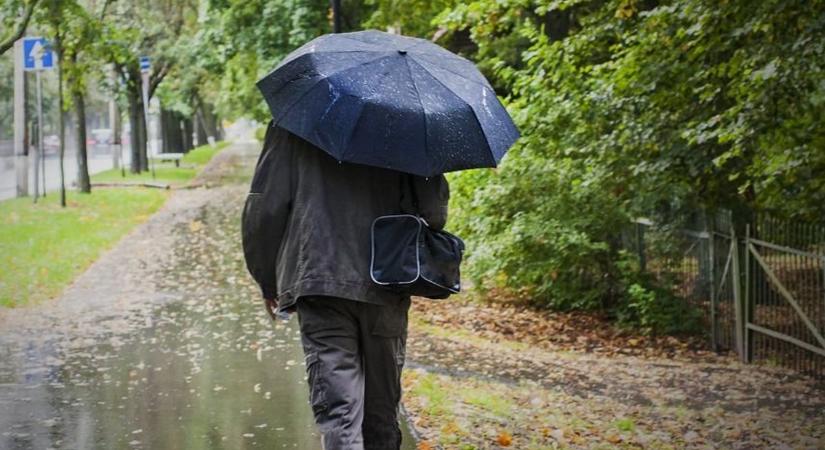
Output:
[[145, 68], [38, 57], [21, 162]]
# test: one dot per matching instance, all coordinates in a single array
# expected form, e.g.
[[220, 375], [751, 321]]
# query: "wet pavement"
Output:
[[162, 343]]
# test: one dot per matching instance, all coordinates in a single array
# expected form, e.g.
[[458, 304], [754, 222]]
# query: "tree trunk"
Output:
[[61, 123], [135, 134], [83, 181], [177, 132], [164, 130], [187, 135], [200, 127], [171, 131], [209, 120]]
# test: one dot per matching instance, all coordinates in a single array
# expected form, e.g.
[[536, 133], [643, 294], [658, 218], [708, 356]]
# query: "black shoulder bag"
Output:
[[410, 258]]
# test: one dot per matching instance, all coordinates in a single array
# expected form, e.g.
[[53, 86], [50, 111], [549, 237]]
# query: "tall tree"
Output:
[[82, 32], [144, 27], [53, 19]]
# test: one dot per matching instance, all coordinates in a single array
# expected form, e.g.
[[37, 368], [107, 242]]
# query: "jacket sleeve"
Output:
[[266, 212], [432, 196]]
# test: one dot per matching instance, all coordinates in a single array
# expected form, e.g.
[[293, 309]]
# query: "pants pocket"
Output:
[[401, 351], [317, 383], [391, 320]]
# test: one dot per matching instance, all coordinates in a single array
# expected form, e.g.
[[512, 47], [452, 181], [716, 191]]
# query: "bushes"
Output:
[[548, 232], [634, 108], [540, 229], [650, 305]]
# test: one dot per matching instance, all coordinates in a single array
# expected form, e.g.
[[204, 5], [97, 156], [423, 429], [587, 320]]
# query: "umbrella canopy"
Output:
[[389, 101]]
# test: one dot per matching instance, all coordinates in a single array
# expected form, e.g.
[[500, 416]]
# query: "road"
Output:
[[99, 160]]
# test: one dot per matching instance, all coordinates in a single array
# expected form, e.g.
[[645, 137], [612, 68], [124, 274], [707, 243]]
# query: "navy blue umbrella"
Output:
[[389, 101]]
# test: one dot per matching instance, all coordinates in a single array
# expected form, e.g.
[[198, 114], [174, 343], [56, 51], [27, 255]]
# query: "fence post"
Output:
[[640, 246], [747, 353], [714, 325], [736, 282]]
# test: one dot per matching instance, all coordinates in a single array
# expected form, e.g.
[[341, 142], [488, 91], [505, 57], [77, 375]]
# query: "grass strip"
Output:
[[44, 247], [166, 171]]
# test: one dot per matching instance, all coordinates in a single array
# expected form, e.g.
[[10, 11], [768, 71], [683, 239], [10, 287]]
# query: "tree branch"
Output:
[[103, 9], [21, 28], [156, 78]]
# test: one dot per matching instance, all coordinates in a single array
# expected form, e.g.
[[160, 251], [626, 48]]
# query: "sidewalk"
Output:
[[162, 343]]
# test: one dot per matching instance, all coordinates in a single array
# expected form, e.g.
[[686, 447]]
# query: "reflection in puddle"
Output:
[[192, 380]]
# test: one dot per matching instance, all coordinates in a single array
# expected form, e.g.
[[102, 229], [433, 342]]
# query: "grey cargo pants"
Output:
[[354, 356]]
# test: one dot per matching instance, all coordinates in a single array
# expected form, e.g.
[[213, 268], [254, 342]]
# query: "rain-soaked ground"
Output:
[[163, 343]]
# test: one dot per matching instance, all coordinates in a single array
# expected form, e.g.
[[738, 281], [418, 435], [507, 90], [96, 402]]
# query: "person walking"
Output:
[[306, 240]]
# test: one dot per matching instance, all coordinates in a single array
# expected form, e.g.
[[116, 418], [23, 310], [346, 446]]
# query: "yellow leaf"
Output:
[[614, 438], [504, 439]]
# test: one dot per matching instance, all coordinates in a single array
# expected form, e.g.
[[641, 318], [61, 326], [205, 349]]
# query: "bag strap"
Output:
[[414, 198], [413, 195]]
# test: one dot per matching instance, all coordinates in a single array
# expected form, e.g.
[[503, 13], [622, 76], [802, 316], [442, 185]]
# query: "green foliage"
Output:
[[539, 228], [244, 40], [408, 17], [658, 311], [635, 108], [260, 133]]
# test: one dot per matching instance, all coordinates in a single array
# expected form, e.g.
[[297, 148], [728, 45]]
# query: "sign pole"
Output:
[[146, 119], [21, 161], [144, 72], [31, 53], [43, 165], [38, 155]]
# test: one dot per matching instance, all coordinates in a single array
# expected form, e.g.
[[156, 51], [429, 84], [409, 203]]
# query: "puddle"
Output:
[[179, 354]]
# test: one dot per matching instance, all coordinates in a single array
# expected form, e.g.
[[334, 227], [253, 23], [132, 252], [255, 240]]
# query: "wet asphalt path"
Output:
[[162, 343]]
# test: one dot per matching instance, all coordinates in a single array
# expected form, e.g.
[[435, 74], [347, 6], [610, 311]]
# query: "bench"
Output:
[[176, 157]]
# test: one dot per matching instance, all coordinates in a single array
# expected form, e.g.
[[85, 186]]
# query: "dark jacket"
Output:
[[306, 222]]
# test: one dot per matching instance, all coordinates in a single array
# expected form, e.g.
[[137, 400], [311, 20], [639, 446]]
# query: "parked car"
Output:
[[99, 140], [51, 144], [101, 136]]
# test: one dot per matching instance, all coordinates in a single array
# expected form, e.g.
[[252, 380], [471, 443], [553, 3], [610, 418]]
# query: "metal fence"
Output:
[[761, 292]]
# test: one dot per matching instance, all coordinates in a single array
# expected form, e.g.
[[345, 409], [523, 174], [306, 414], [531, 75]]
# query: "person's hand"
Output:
[[271, 306]]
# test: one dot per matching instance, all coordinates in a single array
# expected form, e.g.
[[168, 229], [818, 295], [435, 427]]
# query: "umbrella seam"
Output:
[[456, 73], [423, 110], [342, 36], [286, 110], [354, 127], [417, 44], [475, 115]]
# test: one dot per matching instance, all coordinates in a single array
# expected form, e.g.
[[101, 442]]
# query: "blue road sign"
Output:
[[37, 54], [145, 65]]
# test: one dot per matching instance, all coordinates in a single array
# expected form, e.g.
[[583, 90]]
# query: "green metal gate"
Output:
[[784, 297], [762, 294]]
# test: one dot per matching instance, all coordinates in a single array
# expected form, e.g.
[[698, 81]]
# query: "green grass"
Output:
[[45, 247], [437, 399], [489, 401], [625, 424], [166, 172]]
